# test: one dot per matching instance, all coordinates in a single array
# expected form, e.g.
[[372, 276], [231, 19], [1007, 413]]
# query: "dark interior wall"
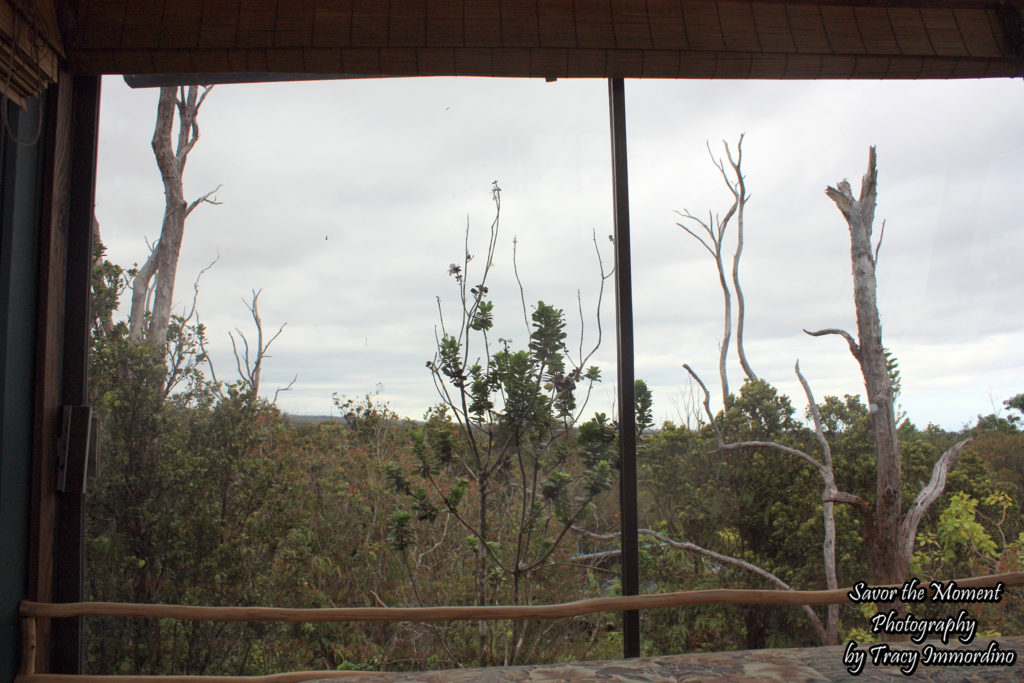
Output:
[[19, 184]]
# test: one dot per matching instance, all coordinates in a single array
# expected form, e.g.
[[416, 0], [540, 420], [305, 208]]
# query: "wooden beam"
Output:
[[69, 556], [562, 610], [49, 341]]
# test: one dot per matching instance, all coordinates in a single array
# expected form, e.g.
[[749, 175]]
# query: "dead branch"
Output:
[[685, 213], [715, 229], [209, 364], [850, 499], [831, 494], [195, 288], [249, 370], [739, 192], [288, 387], [522, 290], [928, 495], [178, 353], [719, 557], [826, 449], [711, 236], [854, 348], [584, 359], [828, 513], [205, 199], [739, 445], [706, 402]]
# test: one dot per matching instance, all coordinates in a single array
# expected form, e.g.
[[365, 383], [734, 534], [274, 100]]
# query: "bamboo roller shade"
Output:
[[29, 48], [553, 38]]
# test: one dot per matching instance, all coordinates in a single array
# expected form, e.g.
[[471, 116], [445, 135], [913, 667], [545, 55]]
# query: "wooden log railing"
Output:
[[31, 611]]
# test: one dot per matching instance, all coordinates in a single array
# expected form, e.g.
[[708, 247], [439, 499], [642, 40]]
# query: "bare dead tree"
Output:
[[711, 235], [711, 238], [154, 280], [888, 535], [249, 360], [892, 544]]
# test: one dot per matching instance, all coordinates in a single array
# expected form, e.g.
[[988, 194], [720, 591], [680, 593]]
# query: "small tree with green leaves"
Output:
[[502, 454]]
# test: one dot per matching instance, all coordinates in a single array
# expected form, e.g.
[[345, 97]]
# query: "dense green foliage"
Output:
[[209, 495], [765, 507]]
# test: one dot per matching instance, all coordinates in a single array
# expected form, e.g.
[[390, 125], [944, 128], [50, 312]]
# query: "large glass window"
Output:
[[363, 211]]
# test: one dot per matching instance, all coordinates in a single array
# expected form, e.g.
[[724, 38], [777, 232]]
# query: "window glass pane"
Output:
[[346, 201], [950, 159]]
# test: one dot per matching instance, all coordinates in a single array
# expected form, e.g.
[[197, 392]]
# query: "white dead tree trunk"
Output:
[[891, 537], [711, 235], [154, 281]]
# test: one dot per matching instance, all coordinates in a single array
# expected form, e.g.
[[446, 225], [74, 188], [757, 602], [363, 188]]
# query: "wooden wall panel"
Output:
[[49, 347]]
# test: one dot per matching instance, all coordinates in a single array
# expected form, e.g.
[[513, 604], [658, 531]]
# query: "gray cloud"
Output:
[[345, 202]]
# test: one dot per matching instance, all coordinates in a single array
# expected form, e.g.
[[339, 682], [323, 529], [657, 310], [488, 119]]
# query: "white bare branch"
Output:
[[815, 620], [738, 445], [205, 199], [826, 449], [928, 495], [707, 402], [250, 368], [713, 240], [288, 387], [195, 288]]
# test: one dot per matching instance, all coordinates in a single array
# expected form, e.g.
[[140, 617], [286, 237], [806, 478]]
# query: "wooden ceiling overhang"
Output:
[[769, 39]]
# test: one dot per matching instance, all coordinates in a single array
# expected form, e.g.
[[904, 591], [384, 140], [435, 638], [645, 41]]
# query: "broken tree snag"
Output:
[[888, 564]]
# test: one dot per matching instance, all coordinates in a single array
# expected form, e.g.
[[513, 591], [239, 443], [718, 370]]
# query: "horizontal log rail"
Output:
[[31, 611]]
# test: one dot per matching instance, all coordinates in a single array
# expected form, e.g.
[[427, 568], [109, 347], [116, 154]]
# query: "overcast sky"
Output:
[[346, 201]]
